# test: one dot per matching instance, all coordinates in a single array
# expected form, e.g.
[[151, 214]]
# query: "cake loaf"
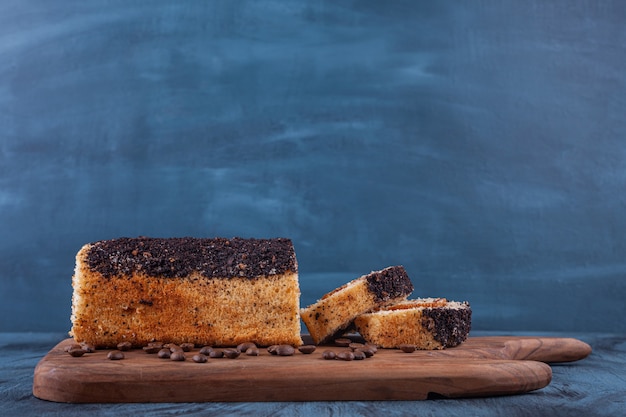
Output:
[[336, 310], [427, 323], [218, 292]]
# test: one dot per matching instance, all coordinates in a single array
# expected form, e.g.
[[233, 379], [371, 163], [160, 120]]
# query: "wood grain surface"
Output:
[[482, 366]]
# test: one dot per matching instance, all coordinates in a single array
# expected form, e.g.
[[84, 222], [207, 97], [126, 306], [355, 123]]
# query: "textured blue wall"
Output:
[[480, 144]]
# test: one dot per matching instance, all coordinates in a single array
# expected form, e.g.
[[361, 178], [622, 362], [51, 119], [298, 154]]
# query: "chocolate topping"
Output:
[[390, 283], [178, 257], [449, 326]]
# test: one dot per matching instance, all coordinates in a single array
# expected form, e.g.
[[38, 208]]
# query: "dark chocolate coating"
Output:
[[178, 257], [390, 283], [449, 326]]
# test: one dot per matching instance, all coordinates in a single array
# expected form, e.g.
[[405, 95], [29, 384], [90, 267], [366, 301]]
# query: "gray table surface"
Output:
[[595, 386]]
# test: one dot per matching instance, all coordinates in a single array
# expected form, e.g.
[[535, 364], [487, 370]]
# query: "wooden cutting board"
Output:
[[482, 366]]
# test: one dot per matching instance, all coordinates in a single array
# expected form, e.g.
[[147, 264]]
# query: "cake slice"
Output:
[[336, 310], [427, 323], [218, 292]]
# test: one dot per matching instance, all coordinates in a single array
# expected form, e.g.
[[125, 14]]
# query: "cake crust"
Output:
[[218, 292], [180, 257]]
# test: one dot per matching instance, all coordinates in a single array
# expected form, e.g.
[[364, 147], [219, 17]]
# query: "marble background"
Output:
[[479, 144]]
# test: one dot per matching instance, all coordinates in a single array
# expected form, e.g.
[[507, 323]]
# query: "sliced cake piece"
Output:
[[337, 309], [427, 323], [219, 292]]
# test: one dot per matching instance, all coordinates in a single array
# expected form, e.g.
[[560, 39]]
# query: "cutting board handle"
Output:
[[545, 349]]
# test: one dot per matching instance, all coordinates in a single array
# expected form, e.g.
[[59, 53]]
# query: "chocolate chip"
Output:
[[372, 347], [164, 353], [187, 347], [329, 354], [368, 351], [343, 342], [355, 346], [307, 349], [115, 355], [346, 355], [178, 355], [124, 346], [216, 353], [285, 350], [151, 349], [407, 348], [72, 346], [76, 352], [359, 355], [252, 351], [206, 350], [243, 347], [232, 353], [272, 349], [88, 347], [173, 347], [199, 358]]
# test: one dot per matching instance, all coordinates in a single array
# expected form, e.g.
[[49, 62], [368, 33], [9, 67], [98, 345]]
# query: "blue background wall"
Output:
[[480, 144]]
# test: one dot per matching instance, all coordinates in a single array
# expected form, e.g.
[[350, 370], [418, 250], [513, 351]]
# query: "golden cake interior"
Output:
[[407, 322], [335, 310]]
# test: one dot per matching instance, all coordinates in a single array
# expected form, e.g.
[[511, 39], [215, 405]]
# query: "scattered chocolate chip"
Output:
[[252, 351], [346, 355], [124, 346], [355, 346], [358, 355], [88, 347], [329, 354], [206, 350], [178, 355], [306, 349], [216, 353], [151, 349], [372, 347], [272, 349], [187, 347], [285, 350], [76, 352], [72, 346], [231, 353], [245, 346], [343, 342], [115, 355], [407, 348], [173, 347], [164, 353], [199, 358], [368, 351]]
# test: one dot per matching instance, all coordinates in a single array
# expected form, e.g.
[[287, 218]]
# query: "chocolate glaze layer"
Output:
[[391, 282], [178, 257], [449, 326]]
